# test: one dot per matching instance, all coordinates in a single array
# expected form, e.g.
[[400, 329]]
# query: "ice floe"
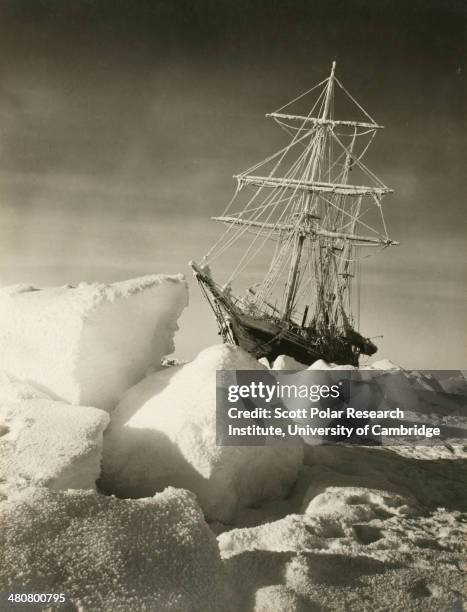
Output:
[[110, 554], [88, 344], [46, 442], [163, 432]]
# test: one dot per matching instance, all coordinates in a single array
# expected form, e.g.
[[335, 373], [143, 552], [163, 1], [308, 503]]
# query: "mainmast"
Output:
[[305, 217], [327, 101]]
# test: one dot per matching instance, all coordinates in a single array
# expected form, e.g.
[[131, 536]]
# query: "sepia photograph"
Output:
[[233, 347]]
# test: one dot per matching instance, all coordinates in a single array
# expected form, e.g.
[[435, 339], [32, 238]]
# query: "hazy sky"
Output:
[[122, 122]]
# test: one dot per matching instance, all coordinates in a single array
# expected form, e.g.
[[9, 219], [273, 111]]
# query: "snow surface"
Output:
[[46, 442], [422, 397], [88, 344], [320, 364], [423, 400], [327, 527], [384, 364], [364, 528], [163, 432], [12, 389], [455, 384], [264, 361], [368, 534], [111, 554], [284, 362], [278, 598]]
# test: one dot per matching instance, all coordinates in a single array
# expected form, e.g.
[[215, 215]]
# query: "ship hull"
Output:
[[263, 338]]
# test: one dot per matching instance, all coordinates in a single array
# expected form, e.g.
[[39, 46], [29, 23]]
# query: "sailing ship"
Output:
[[298, 228]]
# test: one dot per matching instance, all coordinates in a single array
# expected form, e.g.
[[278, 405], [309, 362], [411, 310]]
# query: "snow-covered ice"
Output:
[[279, 598], [111, 554], [163, 432], [46, 442], [264, 361], [12, 389], [419, 394], [88, 344], [455, 384], [369, 534], [284, 362], [330, 527], [320, 364]]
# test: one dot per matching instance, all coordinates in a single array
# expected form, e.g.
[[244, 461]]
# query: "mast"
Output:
[[291, 289], [327, 101], [343, 270]]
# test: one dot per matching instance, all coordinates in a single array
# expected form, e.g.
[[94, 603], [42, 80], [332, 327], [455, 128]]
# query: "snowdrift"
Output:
[[284, 362], [420, 395], [163, 432], [88, 344], [45, 442], [456, 385], [363, 526], [352, 547], [111, 554]]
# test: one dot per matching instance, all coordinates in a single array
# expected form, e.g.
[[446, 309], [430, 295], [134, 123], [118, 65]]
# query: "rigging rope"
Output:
[[353, 100], [302, 95], [329, 269]]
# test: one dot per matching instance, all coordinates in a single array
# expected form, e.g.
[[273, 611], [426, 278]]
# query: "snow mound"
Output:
[[264, 361], [456, 385], [290, 533], [284, 362], [338, 516], [422, 396], [352, 504], [320, 364], [384, 364], [353, 544], [43, 442], [111, 554], [88, 344], [163, 432]]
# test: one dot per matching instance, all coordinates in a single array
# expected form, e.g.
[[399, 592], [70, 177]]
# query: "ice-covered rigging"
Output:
[[296, 226]]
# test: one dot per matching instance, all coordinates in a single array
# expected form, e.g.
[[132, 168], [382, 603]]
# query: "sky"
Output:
[[121, 124]]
